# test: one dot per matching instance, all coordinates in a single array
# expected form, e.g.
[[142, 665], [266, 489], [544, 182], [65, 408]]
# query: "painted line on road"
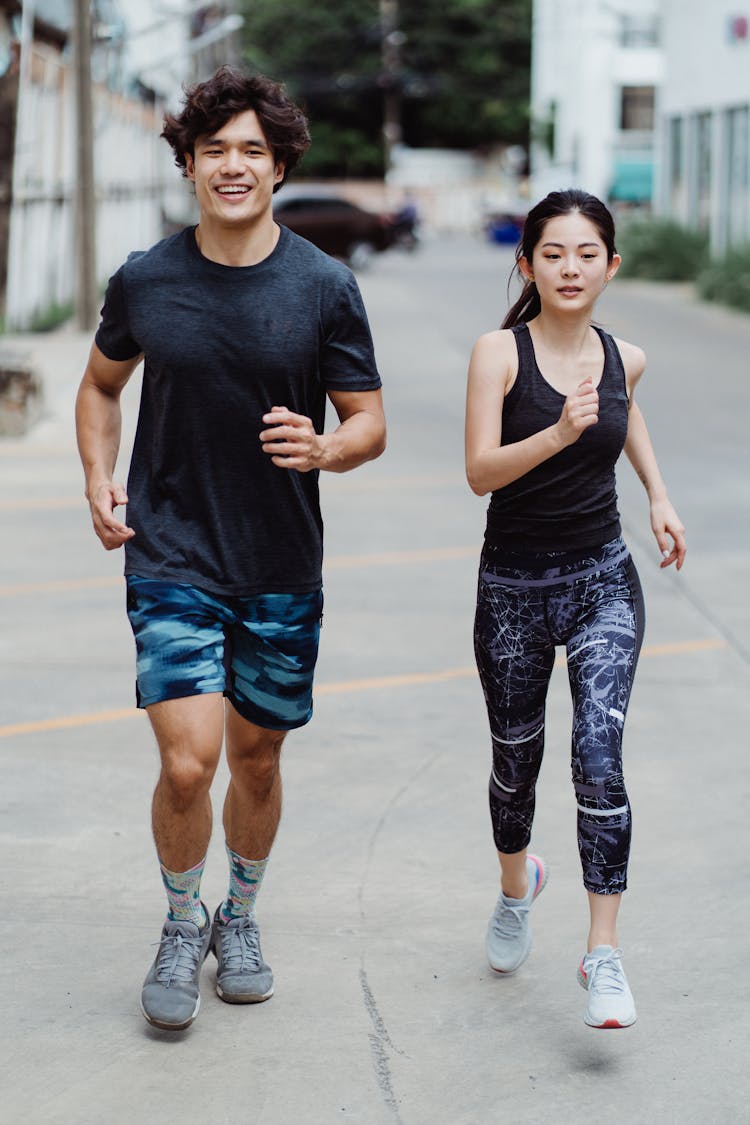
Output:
[[43, 504], [374, 484], [343, 687], [334, 562]]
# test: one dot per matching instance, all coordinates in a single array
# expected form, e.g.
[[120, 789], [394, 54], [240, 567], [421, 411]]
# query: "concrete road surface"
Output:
[[376, 901]]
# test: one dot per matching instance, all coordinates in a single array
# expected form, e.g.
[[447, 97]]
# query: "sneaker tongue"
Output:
[[600, 951], [180, 926]]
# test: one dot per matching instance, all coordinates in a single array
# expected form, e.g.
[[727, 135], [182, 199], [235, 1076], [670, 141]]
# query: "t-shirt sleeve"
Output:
[[113, 336], [348, 357]]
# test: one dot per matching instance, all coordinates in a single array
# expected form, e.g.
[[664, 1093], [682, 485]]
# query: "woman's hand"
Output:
[[580, 411], [666, 526]]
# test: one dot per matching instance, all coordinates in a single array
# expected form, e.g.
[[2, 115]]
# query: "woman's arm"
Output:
[[492, 369], [665, 523]]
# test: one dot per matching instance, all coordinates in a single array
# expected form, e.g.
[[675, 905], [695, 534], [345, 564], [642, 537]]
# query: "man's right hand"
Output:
[[103, 499]]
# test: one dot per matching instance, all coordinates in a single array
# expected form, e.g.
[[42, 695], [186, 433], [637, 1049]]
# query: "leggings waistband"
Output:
[[554, 569]]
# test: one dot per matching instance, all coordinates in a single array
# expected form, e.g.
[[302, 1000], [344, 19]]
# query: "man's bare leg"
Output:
[[252, 810], [189, 733]]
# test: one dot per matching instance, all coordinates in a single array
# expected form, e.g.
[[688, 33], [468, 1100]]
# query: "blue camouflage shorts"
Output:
[[259, 651]]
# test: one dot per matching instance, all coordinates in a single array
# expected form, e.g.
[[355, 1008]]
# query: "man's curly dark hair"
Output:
[[209, 105]]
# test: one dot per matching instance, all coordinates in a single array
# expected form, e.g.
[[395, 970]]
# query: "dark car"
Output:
[[335, 225]]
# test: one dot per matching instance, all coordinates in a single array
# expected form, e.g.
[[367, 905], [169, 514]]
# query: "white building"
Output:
[[596, 67], [704, 119]]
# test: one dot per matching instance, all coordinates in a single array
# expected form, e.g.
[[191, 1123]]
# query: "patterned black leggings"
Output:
[[594, 606]]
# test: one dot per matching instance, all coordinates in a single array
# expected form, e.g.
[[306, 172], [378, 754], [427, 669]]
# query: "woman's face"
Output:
[[569, 263]]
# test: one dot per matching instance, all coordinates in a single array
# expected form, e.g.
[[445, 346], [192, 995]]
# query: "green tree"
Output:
[[461, 71]]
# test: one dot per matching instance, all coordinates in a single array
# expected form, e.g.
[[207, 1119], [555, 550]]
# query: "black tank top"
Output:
[[568, 501]]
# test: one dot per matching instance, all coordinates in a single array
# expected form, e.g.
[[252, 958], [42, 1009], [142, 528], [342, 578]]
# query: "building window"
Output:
[[676, 165], [639, 31], [702, 170], [737, 203], [637, 108]]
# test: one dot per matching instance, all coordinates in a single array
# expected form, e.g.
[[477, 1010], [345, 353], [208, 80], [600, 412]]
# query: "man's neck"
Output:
[[235, 246]]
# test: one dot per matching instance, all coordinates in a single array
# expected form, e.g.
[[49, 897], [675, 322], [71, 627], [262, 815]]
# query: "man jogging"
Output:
[[244, 329]]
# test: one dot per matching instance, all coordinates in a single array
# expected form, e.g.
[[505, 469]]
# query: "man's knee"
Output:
[[253, 754], [186, 776]]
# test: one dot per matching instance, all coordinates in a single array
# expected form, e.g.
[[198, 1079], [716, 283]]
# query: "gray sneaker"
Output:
[[242, 976], [170, 998], [610, 1002], [508, 941]]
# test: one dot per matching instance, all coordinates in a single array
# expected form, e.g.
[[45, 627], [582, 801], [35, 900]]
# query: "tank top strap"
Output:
[[525, 348], [612, 357]]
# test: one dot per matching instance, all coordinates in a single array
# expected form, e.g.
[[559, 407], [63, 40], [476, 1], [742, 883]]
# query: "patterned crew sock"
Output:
[[184, 894], [245, 878]]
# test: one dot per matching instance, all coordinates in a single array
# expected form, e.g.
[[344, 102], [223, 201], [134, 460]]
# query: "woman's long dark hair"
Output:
[[552, 206]]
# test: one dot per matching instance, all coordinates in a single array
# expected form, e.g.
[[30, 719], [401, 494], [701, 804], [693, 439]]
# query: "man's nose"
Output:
[[233, 164]]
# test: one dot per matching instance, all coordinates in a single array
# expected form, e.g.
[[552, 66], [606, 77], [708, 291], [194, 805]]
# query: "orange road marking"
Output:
[[371, 683], [59, 585], [43, 504], [334, 562], [375, 483]]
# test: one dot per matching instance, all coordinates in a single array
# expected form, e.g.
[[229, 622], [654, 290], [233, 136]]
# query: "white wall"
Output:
[[129, 167], [578, 64], [705, 178]]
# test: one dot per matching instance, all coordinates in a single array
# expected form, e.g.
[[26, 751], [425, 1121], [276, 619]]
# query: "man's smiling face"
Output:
[[234, 173]]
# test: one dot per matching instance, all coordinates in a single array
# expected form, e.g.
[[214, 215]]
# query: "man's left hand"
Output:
[[291, 441]]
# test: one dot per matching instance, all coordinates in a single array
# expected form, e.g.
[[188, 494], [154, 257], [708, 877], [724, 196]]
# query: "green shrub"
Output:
[[661, 250], [51, 317], [727, 279]]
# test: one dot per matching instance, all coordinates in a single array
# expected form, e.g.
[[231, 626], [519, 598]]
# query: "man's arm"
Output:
[[98, 426], [291, 441]]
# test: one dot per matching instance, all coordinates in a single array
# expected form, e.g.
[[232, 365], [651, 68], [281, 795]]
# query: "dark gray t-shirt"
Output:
[[222, 345]]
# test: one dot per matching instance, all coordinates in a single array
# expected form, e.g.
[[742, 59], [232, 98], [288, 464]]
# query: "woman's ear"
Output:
[[524, 266], [613, 266]]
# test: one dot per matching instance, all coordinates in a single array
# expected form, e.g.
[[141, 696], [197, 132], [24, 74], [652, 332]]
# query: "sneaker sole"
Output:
[[163, 1026], [541, 882], [608, 1025], [242, 998]]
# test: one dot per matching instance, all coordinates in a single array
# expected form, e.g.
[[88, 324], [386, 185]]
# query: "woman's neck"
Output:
[[564, 334]]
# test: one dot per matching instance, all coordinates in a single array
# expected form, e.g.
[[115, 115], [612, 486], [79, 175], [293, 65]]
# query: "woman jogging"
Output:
[[549, 409]]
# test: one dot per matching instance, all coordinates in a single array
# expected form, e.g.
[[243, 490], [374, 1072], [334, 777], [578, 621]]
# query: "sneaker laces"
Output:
[[606, 975], [240, 947], [509, 921], [178, 958]]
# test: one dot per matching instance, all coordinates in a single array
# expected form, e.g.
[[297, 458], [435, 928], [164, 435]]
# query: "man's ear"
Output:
[[189, 166], [278, 172]]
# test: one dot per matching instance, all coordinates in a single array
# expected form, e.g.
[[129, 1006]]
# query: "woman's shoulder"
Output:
[[633, 358], [633, 362], [494, 359], [498, 342]]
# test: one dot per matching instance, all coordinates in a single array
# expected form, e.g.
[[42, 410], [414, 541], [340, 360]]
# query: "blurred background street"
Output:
[[383, 876]]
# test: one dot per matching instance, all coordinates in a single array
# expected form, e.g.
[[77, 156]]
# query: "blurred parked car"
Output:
[[504, 226], [334, 224]]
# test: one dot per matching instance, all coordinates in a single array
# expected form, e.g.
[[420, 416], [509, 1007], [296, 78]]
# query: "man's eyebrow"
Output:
[[251, 143]]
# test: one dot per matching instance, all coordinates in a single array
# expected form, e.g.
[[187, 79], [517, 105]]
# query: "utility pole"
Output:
[[85, 193], [391, 41]]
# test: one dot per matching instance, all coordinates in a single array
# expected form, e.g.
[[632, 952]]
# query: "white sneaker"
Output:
[[610, 999], [508, 942]]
